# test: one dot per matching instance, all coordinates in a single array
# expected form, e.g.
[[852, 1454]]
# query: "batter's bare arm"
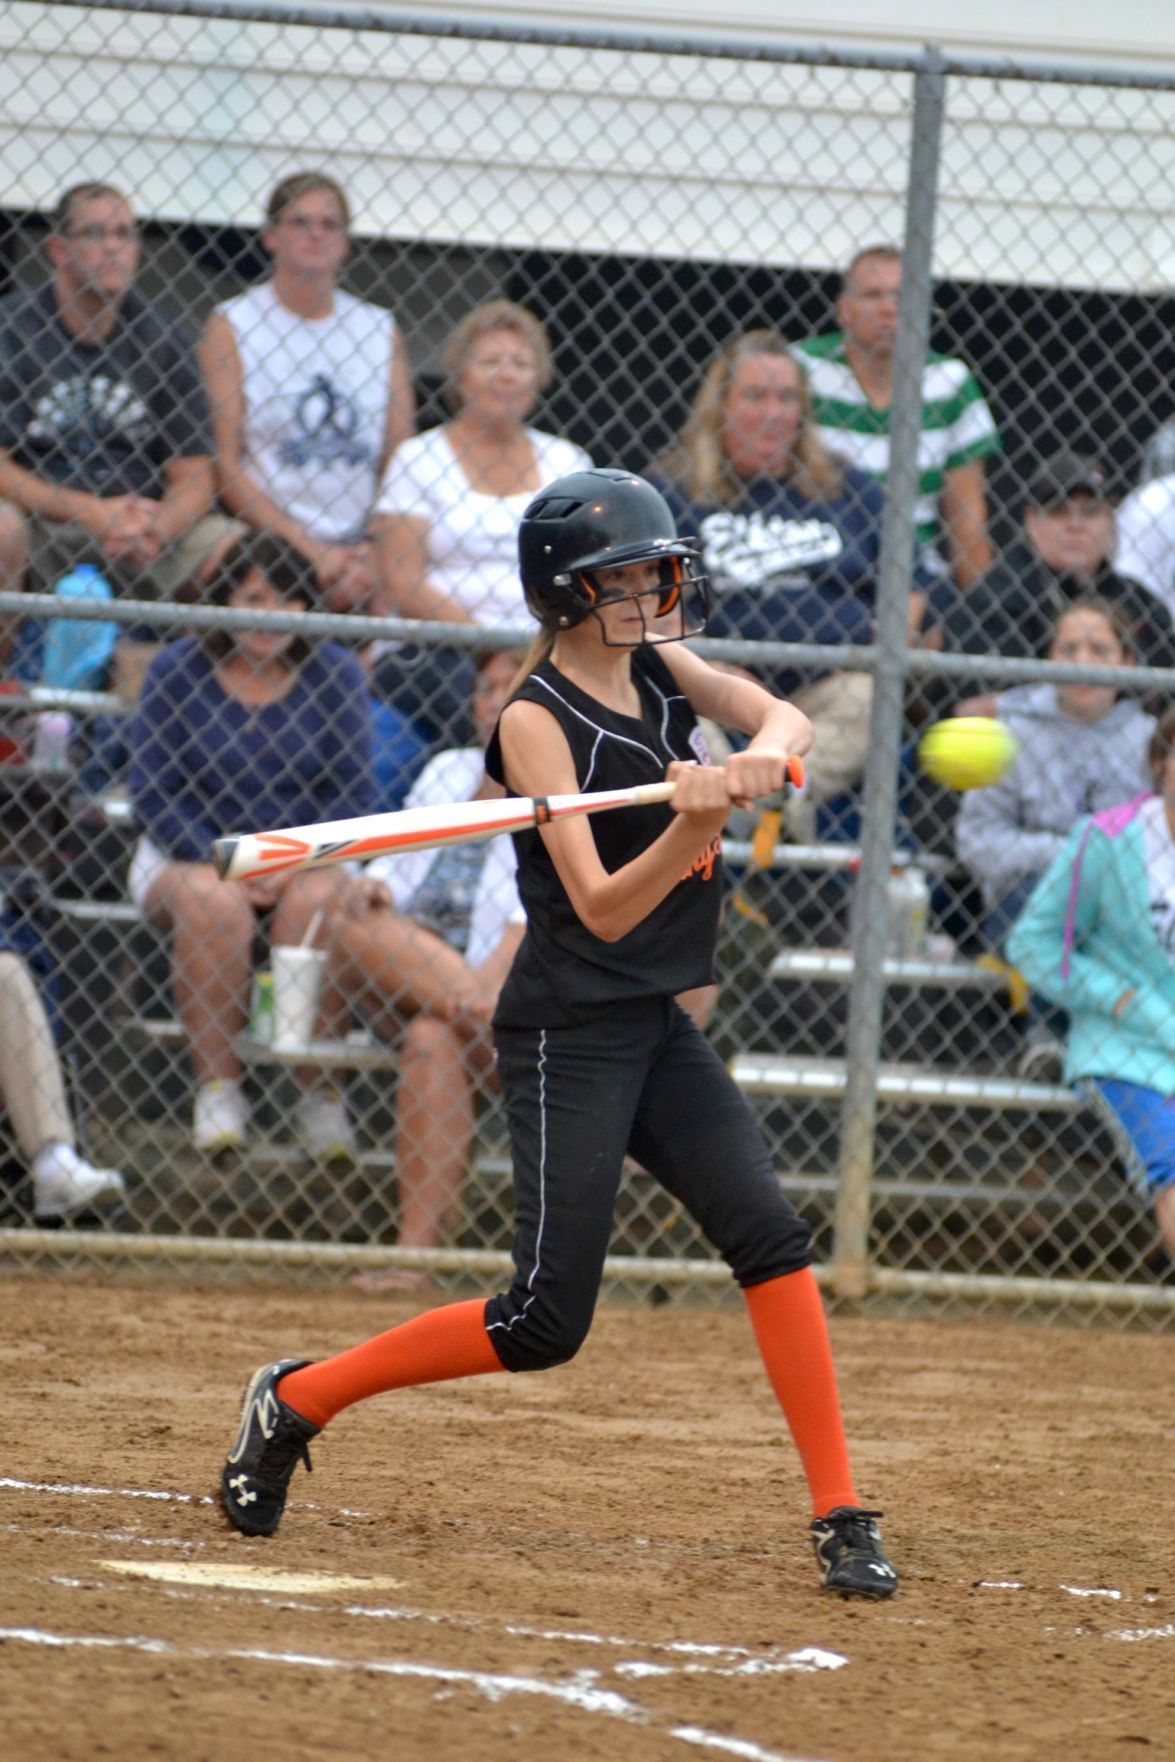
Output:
[[537, 758]]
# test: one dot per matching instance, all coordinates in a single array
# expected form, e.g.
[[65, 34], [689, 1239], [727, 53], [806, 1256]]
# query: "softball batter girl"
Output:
[[595, 1056]]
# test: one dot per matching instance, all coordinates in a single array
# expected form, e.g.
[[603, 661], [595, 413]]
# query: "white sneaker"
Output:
[[221, 1118], [64, 1184], [324, 1126]]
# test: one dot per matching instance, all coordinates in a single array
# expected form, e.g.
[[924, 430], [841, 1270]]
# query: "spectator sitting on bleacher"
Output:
[[310, 393], [1097, 936], [1065, 554], [1079, 748], [32, 1090], [791, 538], [447, 516], [244, 730], [851, 372], [423, 953], [1146, 539], [1158, 455], [105, 454]]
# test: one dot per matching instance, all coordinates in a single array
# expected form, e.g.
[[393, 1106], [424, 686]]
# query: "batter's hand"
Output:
[[756, 772], [700, 793]]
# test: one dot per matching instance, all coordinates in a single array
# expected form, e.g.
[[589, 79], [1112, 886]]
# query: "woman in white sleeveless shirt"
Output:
[[446, 521], [310, 392]]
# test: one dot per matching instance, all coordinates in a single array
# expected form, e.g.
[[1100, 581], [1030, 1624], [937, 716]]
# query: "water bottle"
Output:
[[77, 651], [51, 741], [909, 911]]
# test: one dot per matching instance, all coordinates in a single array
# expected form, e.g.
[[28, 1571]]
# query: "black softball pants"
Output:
[[642, 1080]]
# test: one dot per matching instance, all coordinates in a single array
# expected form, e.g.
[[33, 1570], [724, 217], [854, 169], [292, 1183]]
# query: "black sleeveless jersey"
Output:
[[563, 974]]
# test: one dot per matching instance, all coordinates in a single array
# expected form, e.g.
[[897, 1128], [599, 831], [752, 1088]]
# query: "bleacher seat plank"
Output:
[[357, 1053], [834, 966], [98, 911], [825, 1079]]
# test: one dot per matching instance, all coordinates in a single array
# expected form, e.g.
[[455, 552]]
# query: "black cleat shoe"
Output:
[[852, 1560], [270, 1444]]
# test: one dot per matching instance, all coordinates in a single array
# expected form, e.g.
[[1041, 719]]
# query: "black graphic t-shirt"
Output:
[[107, 417], [563, 974]]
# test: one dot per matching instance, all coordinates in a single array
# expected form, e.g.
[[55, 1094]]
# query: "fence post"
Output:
[[850, 1260]]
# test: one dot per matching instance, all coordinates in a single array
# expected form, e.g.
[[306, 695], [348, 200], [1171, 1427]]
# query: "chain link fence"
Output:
[[632, 251]]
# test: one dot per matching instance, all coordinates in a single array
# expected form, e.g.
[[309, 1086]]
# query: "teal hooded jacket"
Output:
[[1086, 937]]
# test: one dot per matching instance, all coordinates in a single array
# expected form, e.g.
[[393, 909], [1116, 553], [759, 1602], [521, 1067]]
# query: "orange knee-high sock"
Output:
[[434, 1347], [788, 1318]]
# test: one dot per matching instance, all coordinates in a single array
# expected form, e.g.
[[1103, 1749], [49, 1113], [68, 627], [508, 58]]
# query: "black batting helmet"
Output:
[[602, 519]]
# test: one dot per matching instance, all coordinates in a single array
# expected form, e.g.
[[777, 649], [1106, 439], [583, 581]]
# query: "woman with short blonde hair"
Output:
[[448, 513], [494, 315]]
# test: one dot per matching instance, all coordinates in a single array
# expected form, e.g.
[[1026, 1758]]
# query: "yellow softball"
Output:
[[967, 752]]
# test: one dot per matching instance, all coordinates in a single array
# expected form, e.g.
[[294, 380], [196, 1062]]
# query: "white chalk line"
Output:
[[705, 1659], [580, 1695], [806, 1660], [125, 1538], [721, 1660], [81, 1490], [105, 1492], [728, 1660]]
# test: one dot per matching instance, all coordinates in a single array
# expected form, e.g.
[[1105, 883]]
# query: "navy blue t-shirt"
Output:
[[203, 764], [105, 417], [785, 567]]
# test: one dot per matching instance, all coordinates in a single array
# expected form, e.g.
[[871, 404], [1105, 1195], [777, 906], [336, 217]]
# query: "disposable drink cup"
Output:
[[297, 988]]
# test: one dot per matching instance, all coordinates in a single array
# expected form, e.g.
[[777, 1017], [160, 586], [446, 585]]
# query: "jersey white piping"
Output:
[[538, 1244], [664, 719], [608, 733], [587, 781]]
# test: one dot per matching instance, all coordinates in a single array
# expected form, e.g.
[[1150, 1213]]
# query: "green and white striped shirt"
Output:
[[957, 425]]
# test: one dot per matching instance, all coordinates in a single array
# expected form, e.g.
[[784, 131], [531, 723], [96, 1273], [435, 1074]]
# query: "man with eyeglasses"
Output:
[[105, 453]]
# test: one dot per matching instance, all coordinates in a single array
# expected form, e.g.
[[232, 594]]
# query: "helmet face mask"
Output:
[[671, 610], [595, 520]]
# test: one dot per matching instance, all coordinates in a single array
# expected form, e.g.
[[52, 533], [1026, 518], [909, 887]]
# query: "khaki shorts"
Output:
[[839, 707], [56, 547]]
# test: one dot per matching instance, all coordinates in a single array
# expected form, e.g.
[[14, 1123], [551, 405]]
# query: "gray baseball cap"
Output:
[[1063, 475]]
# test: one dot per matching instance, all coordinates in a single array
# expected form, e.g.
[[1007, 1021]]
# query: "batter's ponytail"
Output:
[[534, 657]]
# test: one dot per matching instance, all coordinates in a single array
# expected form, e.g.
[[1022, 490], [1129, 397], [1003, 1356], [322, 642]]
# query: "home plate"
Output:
[[248, 1578]]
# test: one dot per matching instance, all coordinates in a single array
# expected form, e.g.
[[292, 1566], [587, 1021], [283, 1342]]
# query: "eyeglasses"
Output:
[[311, 223], [98, 235]]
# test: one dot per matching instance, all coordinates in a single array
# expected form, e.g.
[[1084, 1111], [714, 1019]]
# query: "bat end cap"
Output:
[[223, 851]]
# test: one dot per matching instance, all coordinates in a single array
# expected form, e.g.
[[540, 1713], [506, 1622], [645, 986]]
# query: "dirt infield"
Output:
[[607, 1562]]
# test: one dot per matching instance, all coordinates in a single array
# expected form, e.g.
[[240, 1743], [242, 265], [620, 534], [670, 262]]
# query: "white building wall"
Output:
[[500, 143], [1134, 33]]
